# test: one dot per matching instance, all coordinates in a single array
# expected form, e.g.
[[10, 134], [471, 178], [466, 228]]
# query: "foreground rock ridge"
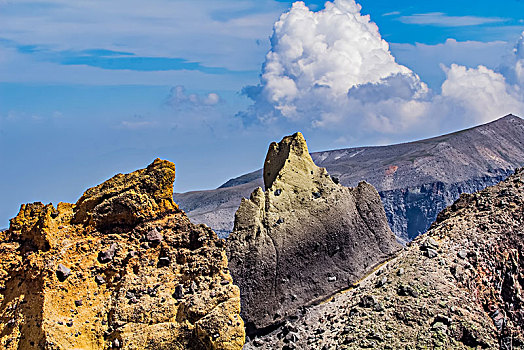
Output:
[[459, 286], [304, 238], [415, 180], [121, 268]]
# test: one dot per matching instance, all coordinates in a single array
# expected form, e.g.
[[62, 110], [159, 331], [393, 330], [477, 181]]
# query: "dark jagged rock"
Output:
[[106, 256], [470, 296], [62, 272], [304, 238], [415, 180], [80, 276]]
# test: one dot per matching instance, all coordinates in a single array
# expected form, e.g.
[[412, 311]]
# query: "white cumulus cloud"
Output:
[[331, 70], [482, 92], [426, 59]]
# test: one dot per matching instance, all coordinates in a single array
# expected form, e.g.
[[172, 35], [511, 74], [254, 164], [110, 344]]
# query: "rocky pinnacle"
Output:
[[304, 238]]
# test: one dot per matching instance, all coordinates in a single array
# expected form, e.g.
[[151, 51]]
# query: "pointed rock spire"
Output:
[[288, 159], [304, 237]]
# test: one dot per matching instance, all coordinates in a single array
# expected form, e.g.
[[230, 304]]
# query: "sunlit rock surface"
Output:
[[121, 268]]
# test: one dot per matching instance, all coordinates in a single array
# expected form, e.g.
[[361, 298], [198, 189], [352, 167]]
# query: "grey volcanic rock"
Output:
[[415, 180], [469, 296], [304, 238]]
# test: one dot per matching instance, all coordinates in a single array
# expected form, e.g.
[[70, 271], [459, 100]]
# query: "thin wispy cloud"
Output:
[[393, 13], [113, 60], [441, 19], [144, 64], [195, 31], [137, 125]]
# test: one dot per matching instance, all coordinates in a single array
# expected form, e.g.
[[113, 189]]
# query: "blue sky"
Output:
[[89, 88]]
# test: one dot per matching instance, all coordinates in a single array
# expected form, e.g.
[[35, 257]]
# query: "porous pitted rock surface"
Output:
[[459, 286], [123, 268], [304, 238]]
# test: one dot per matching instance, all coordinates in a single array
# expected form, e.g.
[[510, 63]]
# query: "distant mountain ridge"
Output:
[[415, 180]]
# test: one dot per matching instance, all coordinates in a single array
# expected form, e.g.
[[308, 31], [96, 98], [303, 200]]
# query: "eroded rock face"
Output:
[[459, 286], [121, 268], [304, 238]]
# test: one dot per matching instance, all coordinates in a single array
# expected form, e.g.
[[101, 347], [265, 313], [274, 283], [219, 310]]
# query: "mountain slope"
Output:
[[415, 180], [459, 286]]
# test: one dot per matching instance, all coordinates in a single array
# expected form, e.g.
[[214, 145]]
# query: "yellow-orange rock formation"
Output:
[[121, 268]]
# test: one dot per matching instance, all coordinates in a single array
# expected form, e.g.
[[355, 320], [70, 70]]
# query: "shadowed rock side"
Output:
[[415, 180], [121, 268], [304, 238], [460, 286]]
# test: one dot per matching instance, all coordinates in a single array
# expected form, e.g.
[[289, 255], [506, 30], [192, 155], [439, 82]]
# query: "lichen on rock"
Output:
[[121, 268], [304, 237]]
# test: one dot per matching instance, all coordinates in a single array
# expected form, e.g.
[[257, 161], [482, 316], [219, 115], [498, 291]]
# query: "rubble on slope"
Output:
[[459, 286]]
